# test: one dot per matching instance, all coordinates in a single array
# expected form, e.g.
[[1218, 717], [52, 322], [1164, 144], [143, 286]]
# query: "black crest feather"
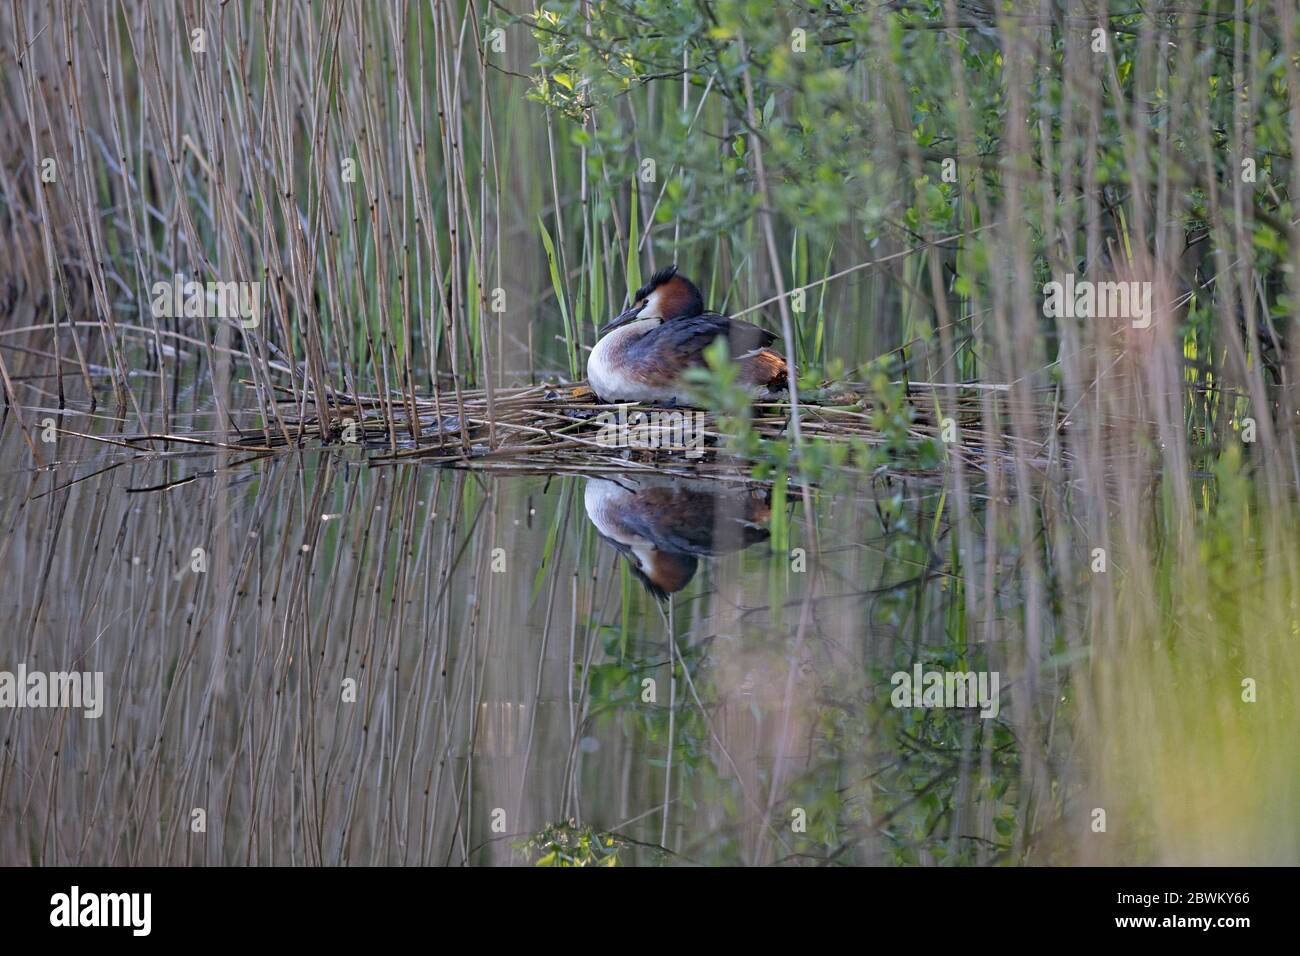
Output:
[[656, 280]]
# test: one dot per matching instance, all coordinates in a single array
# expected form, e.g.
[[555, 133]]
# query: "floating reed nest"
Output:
[[560, 427]]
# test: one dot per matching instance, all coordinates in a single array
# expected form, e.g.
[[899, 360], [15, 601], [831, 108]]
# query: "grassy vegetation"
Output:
[[889, 186]]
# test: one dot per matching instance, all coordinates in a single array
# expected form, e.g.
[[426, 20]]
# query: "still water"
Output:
[[311, 659]]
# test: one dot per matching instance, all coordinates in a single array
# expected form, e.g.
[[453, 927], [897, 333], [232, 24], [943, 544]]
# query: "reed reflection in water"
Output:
[[419, 665]]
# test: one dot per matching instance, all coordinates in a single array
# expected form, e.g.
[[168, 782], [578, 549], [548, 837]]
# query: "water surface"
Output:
[[338, 662]]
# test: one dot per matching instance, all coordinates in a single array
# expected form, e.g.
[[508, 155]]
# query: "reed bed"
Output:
[[442, 202]]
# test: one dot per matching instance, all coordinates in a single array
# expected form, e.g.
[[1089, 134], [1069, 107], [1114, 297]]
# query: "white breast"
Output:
[[604, 374], [606, 501]]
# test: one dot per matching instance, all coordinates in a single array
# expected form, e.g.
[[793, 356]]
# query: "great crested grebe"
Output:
[[641, 354], [664, 525]]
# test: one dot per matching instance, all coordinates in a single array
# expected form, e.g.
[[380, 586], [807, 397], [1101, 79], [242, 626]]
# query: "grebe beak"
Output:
[[627, 315]]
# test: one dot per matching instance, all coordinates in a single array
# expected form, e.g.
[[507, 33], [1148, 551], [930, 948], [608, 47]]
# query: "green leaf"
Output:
[[558, 285], [633, 231]]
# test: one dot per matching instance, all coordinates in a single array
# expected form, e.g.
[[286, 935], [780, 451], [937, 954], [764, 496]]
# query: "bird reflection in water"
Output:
[[663, 525]]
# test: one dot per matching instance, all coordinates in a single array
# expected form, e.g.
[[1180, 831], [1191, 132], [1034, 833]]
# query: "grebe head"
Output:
[[666, 296]]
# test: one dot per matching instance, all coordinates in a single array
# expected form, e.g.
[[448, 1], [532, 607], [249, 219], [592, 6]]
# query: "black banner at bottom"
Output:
[[337, 906]]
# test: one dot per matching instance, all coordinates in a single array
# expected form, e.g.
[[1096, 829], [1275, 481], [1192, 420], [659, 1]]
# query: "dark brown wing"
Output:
[[746, 337], [681, 342], [684, 521]]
